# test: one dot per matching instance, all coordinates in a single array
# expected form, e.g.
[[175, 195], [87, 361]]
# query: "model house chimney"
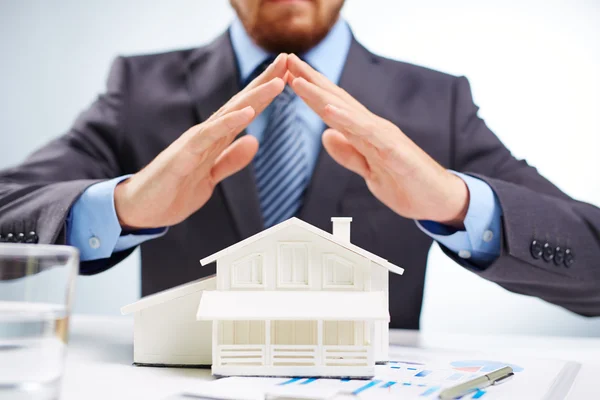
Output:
[[341, 228]]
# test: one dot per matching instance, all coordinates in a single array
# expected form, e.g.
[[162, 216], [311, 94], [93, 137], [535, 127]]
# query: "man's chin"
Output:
[[290, 37], [289, 42]]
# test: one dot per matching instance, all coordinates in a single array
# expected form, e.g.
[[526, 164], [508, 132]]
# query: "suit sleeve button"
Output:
[[21, 238], [569, 258], [548, 252], [32, 237], [559, 255], [10, 238], [536, 249]]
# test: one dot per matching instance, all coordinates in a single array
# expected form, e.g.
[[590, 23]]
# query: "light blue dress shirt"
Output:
[[93, 226]]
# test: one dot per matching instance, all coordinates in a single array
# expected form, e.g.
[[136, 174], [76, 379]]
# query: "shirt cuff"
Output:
[[480, 241], [136, 238], [93, 226]]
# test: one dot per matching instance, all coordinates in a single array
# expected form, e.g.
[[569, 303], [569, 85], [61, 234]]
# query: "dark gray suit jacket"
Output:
[[152, 99]]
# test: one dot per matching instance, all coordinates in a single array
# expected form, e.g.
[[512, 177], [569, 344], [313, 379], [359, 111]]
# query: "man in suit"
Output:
[[404, 144]]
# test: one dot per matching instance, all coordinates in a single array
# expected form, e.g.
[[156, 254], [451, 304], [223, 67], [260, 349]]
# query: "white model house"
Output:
[[166, 332], [292, 300]]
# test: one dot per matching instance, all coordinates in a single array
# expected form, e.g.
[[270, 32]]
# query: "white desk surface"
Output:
[[101, 350]]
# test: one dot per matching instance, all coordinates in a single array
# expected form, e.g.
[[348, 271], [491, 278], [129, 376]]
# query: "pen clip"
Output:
[[503, 379]]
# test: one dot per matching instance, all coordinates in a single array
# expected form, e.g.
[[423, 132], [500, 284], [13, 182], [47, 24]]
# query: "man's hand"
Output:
[[396, 170], [182, 178]]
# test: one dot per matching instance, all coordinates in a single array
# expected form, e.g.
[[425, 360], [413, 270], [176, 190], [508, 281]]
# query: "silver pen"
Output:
[[493, 378]]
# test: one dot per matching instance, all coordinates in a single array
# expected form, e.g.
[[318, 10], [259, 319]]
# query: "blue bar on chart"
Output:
[[367, 386], [293, 380], [430, 391], [309, 380], [423, 374], [388, 384], [479, 394]]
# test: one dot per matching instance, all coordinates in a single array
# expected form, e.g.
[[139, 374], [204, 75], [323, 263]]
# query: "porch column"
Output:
[[215, 343], [320, 349], [267, 343], [372, 344]]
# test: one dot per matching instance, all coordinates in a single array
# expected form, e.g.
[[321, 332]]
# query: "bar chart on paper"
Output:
[[422, 377], [405, 380], [395, 381]]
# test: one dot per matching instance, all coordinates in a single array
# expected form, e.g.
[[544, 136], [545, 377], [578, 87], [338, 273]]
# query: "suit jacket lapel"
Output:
[[213, 79], [360, 79]]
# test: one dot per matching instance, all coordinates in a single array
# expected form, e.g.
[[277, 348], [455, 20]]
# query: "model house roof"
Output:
[[304, 225], [206, 283], [292, 305]]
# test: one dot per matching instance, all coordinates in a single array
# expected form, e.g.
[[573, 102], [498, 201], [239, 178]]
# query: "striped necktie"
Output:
[[281, 166]]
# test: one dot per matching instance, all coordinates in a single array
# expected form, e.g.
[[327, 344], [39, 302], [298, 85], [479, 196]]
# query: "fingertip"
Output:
[[332, 110], [279, 57], [250, 139], [246, 115], [247, 148], [282, 57], [275, 82], [279, 83], [330, 135], [298, 81], [248, 110], [336, 113], [340, 149], [279, 65], [293, 63]]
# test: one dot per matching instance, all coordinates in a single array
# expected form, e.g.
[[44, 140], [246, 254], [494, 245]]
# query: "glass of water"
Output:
[[36, 291]]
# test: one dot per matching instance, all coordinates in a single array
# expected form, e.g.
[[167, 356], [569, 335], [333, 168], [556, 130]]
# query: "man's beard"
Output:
[[298, 42], [278, 37]]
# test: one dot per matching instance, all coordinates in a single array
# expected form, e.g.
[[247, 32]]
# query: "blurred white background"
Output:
[[533, 65]]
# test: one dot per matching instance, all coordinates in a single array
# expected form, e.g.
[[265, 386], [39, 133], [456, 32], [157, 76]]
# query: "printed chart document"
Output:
[[414, 374]]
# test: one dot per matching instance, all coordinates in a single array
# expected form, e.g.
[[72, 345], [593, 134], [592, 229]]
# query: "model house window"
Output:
[[337, 272], [292, 266], [248, 271]]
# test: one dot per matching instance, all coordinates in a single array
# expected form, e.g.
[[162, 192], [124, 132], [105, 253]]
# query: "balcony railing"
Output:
[[295, 355], [349, 356], [241, 354]]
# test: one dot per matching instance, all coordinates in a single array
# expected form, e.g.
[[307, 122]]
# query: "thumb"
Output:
[[342, 151], [234, 158]]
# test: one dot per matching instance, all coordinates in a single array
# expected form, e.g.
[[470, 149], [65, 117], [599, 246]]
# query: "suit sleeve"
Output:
[[37, 195], [550, 242]]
